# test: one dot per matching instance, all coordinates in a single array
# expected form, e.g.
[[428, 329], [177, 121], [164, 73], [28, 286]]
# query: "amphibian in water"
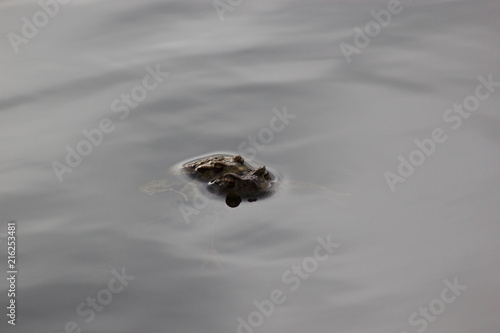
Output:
[[250, 185]]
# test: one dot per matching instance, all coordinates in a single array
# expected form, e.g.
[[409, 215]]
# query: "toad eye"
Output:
[[218, 167], [229, 182]]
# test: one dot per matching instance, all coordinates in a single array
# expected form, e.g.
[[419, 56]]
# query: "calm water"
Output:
[[318, 91]]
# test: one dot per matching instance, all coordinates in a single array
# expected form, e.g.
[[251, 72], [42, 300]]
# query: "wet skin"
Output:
[[215, 166], [231, 177], [251, 185]]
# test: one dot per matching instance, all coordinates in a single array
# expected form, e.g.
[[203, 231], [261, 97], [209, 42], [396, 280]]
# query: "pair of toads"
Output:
[[232, 177]]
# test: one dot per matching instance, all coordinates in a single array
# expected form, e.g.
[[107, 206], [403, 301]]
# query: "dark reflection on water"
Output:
[[269, 82]]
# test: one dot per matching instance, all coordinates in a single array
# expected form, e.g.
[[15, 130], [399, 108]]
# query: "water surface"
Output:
[[154, 83]]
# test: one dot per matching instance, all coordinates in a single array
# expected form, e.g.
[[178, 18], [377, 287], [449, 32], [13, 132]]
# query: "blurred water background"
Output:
[[331, 93]]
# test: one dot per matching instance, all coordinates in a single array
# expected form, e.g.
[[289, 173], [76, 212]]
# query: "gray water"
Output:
[[297, 86]]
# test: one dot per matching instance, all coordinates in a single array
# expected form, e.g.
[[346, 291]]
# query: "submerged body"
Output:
[[227, 176], [231, 177]]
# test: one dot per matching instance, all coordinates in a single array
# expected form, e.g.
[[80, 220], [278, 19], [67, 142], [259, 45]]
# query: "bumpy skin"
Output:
[[247, 185], [231, 177], [211, 167]]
